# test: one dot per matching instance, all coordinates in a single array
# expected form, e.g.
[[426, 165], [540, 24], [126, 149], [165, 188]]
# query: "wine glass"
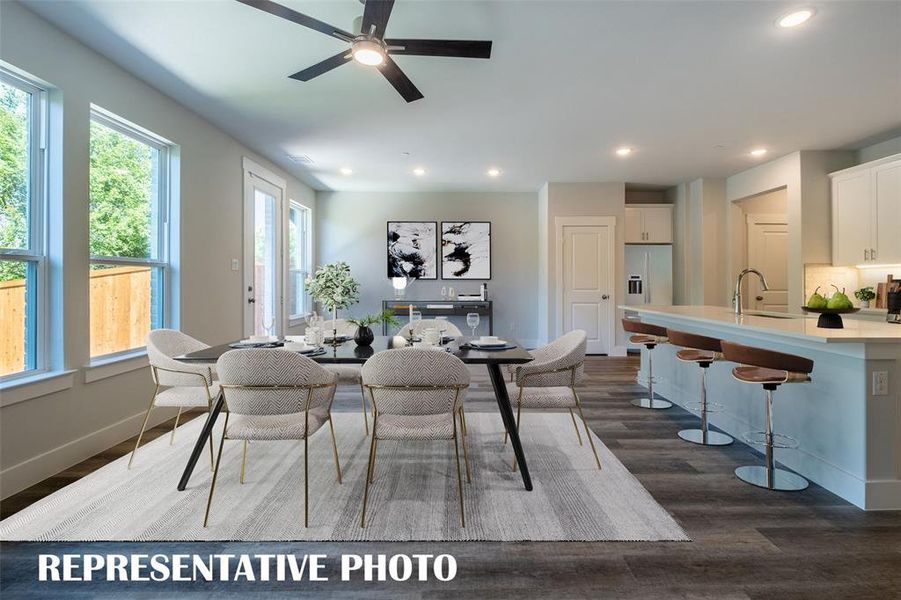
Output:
[[415, 317], [441, 322], [472, 319], [267, 326], [444, 292]]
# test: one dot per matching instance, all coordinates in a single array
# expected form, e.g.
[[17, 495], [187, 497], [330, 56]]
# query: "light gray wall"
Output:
[[352, 228], [880, 150], [43, 435]]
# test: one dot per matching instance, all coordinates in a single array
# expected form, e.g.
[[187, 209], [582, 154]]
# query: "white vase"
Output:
[[865, 304]]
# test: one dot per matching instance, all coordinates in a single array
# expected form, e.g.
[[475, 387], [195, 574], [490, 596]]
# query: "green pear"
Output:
[[839, 300], [815, 300]]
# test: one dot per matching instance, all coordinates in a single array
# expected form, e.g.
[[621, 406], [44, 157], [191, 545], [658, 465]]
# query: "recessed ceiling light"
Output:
[[624, 151], [347, 171], [795, 18], [493, 172], [757, 152], [419, 171]]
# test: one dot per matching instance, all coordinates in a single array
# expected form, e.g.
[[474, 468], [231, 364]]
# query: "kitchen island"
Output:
[[849, 432]]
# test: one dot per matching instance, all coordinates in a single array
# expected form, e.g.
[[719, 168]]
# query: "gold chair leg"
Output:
[[463, 427], [372, 474], [174, 427], [365, 418], [587, 431], [459, 477], [518, 412], [465, 453], [306, 481], [209, 502], [576, 427], [335, 446], [143, 426], [210, 409], [369, 471], [243, 461]]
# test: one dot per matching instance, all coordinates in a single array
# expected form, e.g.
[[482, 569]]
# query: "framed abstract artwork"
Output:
[[412, 249], [466, 250]]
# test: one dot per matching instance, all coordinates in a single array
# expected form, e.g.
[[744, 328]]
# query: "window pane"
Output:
[[126, 303], [265, 263], [18, 313], [123, 180], [296, 260], [15, 166]]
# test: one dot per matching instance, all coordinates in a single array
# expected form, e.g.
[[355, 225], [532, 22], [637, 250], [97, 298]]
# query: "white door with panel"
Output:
[[852, 219], [887, 184], [768, 253], [263, 260], [587, 292]]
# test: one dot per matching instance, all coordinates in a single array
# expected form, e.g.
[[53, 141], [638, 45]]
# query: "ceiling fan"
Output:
[[369, 46]]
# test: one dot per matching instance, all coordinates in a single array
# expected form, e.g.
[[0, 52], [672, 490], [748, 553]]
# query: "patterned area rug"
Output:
[[413, 498]]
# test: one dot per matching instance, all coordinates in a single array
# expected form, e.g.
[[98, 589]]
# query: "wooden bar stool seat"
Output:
[[702, 351], [650, 336], [769, 369]]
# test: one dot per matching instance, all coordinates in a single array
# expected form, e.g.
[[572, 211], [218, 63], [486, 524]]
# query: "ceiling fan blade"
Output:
[[399, 80], [460, 48], [323, 67], [284, 12], [376, 13]]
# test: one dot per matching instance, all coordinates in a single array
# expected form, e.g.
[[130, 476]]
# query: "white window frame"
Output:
[[163, 220], [304, 243], [37, 250]]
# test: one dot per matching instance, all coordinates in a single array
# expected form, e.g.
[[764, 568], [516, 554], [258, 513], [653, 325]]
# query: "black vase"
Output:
[[364, 336]]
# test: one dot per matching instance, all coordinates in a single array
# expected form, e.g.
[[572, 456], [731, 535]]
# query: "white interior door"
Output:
[[768, 253], [587, 284], [263, 204]]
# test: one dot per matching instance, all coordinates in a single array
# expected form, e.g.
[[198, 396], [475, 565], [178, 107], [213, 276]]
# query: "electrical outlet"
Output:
[[235, 264], [880, 383]]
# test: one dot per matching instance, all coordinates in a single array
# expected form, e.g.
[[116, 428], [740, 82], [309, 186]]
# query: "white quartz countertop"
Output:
[[798, 326]]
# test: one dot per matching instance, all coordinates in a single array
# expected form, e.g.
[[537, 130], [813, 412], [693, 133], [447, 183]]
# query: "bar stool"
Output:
[[648, 335], [703, 351], [769, 369]]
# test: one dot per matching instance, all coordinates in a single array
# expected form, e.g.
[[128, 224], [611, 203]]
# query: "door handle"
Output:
[[605, 297], [251, 300], [759, 298]]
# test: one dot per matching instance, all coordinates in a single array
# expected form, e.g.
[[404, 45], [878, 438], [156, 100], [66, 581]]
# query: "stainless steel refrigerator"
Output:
[[649, 275]]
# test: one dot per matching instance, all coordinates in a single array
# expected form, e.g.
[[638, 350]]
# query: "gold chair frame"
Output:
[[572, 386], [306, 479], [209, 401], [456, 412]]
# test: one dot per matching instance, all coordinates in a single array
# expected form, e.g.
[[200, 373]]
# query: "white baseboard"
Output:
[[18, 477]]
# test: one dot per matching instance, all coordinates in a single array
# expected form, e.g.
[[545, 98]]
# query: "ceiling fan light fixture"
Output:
[[368, 52]]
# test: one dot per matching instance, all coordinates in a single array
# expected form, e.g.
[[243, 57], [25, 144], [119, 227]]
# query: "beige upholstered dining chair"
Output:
[[272, 395], [549, 381], [416, 394], [424, 324], [347, 374], [177, 384]]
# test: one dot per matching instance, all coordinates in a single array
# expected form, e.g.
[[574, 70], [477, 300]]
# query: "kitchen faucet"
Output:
[[736, 297]]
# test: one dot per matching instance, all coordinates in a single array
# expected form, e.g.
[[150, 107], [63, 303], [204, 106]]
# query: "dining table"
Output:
[[348, 352]]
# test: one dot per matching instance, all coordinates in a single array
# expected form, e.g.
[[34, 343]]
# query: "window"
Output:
[[128, 234], [298, 260], [23, 258]]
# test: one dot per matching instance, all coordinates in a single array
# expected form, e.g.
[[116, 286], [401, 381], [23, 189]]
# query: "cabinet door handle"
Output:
[[872, 253], [866, 254]]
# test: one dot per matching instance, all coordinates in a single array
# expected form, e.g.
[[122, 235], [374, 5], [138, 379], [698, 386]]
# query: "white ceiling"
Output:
[[692, 86]]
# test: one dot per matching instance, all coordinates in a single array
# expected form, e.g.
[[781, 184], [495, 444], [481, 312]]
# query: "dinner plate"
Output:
[[497, 344]]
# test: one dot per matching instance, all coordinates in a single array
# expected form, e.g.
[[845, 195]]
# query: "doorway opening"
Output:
[[761, 225]]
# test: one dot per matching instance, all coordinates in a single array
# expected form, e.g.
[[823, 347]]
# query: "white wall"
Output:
[[352, 228], [699, 221], [43, 435]]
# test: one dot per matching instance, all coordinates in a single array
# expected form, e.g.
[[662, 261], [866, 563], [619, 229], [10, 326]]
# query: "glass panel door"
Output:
[[263, 260]]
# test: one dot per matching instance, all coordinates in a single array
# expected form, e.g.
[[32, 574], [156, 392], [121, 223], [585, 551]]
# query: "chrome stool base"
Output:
[[655, 404], [782, 480], [708, 438]]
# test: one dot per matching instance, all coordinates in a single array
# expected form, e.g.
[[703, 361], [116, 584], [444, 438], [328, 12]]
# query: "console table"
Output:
[[441, 308]]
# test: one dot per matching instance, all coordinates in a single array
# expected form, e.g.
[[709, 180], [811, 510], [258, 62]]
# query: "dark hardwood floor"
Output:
[[747, 542]]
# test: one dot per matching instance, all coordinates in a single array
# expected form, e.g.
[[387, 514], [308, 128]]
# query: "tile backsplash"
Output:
[[850, 278]]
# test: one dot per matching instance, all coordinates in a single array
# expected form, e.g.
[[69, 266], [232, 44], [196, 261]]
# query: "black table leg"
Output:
[[205, 433], [503, 403]]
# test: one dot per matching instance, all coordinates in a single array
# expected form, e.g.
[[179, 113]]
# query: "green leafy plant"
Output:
[[333, 287], [386, 316], [865, 294]]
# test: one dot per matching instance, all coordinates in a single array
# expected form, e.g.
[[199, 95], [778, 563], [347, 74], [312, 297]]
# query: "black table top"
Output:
[[350, 353]]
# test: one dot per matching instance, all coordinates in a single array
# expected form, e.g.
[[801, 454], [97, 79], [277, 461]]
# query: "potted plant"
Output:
[[865, 295], [364, 335], [333, 287]]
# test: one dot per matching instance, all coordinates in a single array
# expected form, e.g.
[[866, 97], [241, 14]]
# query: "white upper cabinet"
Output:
[[866, 213], [649, 224]]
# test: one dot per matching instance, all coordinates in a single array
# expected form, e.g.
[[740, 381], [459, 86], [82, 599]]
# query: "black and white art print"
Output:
[[412, 249], [466, 250]]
